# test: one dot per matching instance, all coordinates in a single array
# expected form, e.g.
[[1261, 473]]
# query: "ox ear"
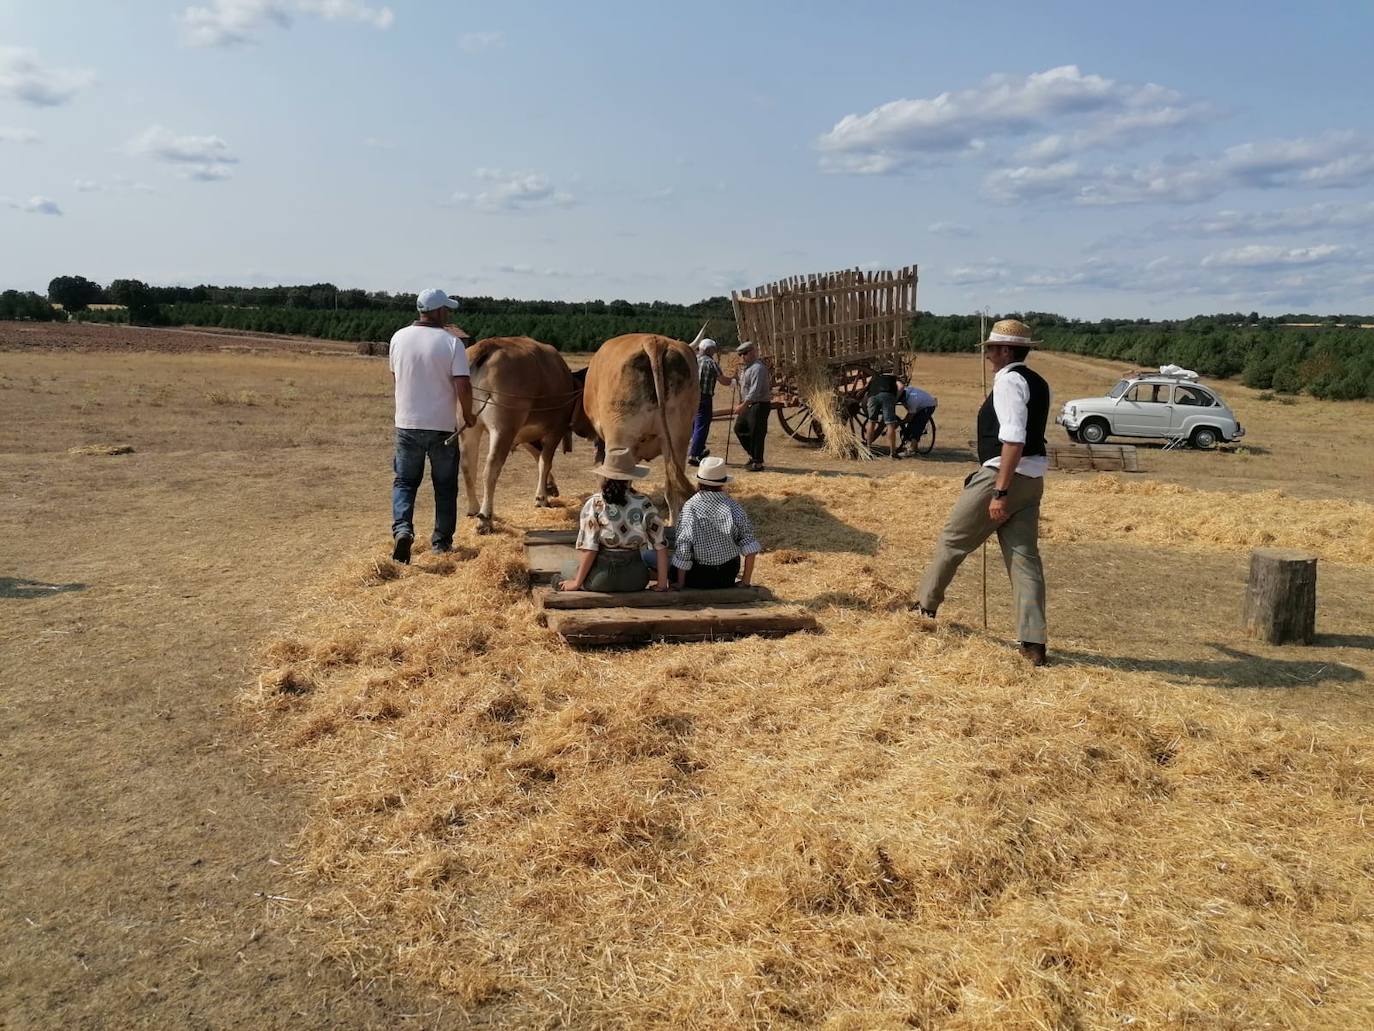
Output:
[[700, 334]]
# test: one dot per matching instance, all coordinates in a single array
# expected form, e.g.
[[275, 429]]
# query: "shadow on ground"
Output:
[[802, 521], [1234, 669], [22, 588]]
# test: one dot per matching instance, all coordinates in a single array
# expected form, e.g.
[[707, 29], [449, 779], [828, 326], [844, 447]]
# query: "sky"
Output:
[[1092, 159]]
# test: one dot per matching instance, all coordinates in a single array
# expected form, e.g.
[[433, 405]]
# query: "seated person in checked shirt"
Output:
[[616, 523], [713, 534]]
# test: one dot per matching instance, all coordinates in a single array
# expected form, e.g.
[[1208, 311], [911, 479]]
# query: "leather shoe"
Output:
[[1034, 653], [401, 553]]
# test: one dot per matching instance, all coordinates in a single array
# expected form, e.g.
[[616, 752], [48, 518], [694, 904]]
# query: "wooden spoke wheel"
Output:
[[798, 421]]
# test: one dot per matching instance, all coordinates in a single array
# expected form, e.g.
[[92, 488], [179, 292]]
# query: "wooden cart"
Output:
[[841, 327]]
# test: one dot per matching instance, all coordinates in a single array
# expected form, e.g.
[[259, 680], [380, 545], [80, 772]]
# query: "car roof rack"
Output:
[[1183, 377]]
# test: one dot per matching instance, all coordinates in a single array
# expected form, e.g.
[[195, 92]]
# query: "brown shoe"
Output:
[[1034, 653]]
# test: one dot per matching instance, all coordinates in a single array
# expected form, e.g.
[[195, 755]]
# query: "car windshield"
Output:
[[1119, 389]]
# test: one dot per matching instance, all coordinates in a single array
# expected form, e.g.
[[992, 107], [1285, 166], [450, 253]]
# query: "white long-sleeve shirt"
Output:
[[1011, 400]]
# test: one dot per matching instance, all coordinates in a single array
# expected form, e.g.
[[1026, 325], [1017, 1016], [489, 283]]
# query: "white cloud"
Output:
[[1273, 256], [34, 205], [1331, 160], [378, 143], [203, 158], [9, 135], [224, 23], [349, 10], [994, 270], [1004, 107], [524, 269], [953, 230], [27, 80], [1306, 218], [474, 42], [514, 191]]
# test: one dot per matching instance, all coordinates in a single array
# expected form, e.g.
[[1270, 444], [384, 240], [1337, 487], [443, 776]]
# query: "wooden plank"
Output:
[[1102, 457], [686, 600], [550, 536], [636, 626], [545, 561]]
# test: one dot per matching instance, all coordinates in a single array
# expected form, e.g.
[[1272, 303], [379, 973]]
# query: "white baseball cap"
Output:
[[707, 345], [434, 298]]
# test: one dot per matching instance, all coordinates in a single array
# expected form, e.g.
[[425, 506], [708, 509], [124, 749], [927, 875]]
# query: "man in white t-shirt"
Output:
[[431, 370]]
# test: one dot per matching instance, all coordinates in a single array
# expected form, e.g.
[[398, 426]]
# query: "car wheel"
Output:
[[1094, 431], [1205, 438], [1073, 435]]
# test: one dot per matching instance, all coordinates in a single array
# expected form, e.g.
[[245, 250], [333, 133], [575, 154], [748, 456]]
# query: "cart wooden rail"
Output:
[[843, 326]]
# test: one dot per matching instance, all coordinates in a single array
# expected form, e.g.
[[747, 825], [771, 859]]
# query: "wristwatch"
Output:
[[999, 493]]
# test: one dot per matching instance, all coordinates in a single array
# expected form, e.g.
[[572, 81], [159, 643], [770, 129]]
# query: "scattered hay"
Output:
[[816, 387], [882, 825], [101, 449]]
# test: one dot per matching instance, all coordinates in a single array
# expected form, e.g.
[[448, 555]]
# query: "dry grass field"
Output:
[[255, 775]]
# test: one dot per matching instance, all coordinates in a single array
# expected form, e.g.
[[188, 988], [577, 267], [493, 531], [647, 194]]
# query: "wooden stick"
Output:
[[983, 366]]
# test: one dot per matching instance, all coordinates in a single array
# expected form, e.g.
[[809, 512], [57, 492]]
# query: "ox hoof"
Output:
[[483, 526], [553, 490], [542, 503]]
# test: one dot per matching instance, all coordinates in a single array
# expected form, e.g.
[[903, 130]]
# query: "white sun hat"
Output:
[[711, 472]]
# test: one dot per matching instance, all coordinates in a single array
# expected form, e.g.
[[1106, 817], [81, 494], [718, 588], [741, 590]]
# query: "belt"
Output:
[[620, 554]]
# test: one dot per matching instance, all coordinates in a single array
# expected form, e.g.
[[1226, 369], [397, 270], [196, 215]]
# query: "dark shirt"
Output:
[[882, 383]]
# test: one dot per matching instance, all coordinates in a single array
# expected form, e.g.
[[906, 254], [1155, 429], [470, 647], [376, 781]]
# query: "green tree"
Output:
[[137, 296], [74, 293]]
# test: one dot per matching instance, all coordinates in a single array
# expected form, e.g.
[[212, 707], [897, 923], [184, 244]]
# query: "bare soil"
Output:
[[147, 852]]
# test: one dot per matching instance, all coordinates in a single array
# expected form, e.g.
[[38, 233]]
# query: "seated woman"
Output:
[[713, 533], [616, 523]]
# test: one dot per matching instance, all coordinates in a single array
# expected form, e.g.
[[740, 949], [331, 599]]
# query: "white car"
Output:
[[1172, 406]]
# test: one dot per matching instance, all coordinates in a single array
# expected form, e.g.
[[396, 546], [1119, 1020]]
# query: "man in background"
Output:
[[708, 368], [920, 406], [432, 385], [880, 403], [755, 404]]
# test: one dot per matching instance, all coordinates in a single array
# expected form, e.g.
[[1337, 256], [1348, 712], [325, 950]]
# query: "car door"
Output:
[[1144, 411], [1189, 403]]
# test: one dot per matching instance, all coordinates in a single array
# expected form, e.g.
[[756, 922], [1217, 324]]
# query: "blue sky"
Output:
[[1092, 159]]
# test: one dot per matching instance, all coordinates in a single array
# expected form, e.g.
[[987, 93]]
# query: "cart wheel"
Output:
[[849, 396], [800, 423], [926, 444]]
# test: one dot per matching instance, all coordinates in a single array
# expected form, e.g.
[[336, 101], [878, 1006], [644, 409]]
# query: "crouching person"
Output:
[[714, 534], [616, 523]]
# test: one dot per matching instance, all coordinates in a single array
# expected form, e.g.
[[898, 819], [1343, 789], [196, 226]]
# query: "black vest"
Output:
[[1038, 414]]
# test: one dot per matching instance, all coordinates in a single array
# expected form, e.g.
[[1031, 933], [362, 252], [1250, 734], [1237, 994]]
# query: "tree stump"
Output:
[[1281, 596]]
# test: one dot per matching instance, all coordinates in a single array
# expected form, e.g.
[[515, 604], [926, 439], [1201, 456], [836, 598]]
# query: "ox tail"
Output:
[[670, 456]]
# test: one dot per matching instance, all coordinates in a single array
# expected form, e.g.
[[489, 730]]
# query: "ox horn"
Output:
[[700, 334]]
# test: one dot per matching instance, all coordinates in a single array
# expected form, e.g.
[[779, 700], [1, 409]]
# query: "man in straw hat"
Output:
[[710, 372], [755, 402], [1003, 496]]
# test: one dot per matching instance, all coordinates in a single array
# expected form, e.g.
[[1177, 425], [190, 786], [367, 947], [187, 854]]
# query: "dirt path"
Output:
[[142, 844]]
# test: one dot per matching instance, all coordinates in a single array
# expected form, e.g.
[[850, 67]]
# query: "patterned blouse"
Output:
[[635, 524]]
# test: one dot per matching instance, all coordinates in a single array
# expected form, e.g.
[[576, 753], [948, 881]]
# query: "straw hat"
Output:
[[1011, 331], [620, 465], [711, 472]]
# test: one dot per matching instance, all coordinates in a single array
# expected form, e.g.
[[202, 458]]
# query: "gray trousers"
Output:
[[969, 526]]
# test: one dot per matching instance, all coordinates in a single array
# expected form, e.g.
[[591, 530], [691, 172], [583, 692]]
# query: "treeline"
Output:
[[1329, 359], [16, 304], [567, 331]]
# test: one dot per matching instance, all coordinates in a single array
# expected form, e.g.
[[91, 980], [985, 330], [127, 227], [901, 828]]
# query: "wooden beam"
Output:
[[685, 599], [636, 626]]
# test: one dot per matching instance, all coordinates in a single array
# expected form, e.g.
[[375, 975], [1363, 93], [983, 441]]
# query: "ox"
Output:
[[523, 394], [640, 393]]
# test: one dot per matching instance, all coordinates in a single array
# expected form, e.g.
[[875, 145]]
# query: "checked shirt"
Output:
[[713, 529], [709, 371]]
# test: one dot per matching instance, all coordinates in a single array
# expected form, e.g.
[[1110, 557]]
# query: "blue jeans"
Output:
[[411, 448], [701, 426]]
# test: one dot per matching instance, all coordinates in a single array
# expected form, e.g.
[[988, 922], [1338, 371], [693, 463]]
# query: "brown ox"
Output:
[[522, 393], [641, 392]]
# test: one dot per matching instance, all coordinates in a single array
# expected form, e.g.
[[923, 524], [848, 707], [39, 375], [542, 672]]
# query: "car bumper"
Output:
[[1068, 422], [1240, 432]]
